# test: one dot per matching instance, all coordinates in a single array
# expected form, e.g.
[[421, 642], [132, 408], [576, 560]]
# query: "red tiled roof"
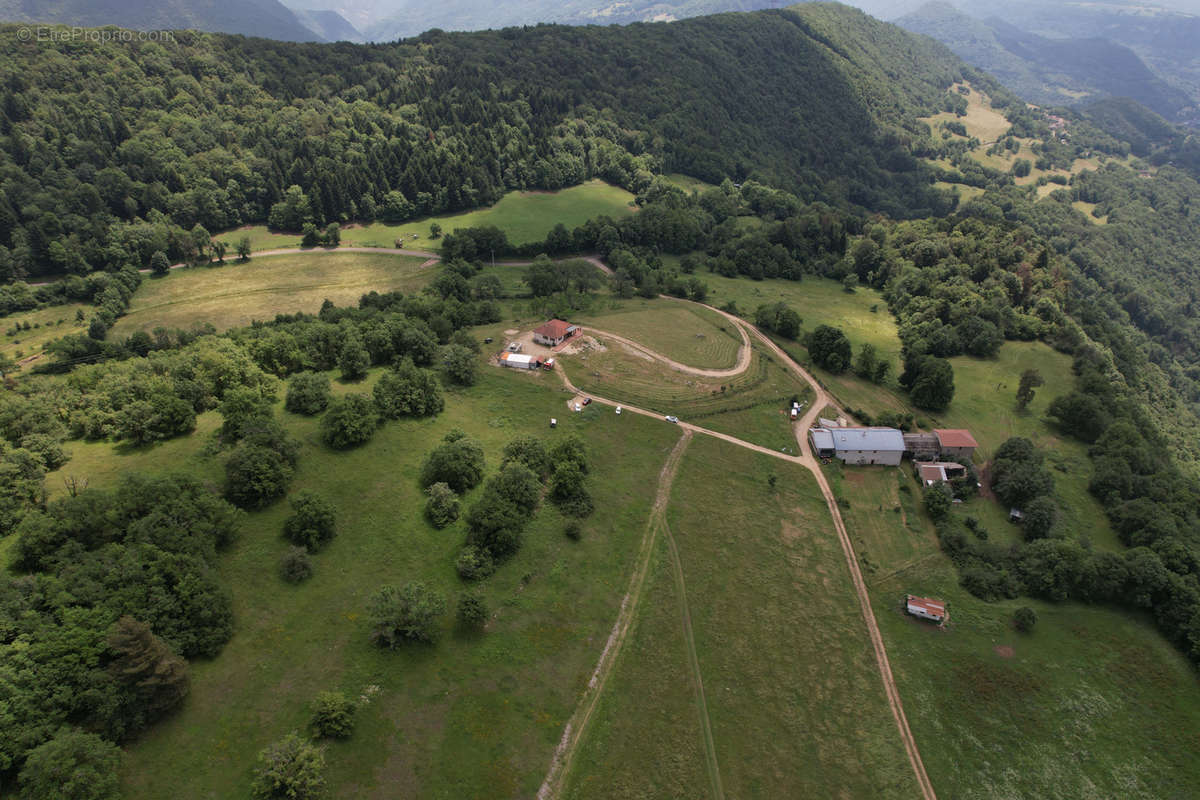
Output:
[[934, 607], [554, 329], [931, 473], [956, 438]]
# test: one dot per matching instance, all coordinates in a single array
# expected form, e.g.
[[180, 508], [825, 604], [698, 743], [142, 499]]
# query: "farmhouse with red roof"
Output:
[[554, 332]]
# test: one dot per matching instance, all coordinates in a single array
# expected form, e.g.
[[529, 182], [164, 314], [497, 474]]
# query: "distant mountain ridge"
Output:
[[266, 18], [1049, 71], [1164, 38], [386, 20], [329, 25]]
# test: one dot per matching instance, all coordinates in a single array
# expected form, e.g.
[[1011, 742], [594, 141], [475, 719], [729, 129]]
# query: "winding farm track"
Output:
[[821, 398], [744, 354], [564, 754]]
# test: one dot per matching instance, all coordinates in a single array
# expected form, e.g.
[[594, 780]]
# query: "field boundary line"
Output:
[[564, 754]]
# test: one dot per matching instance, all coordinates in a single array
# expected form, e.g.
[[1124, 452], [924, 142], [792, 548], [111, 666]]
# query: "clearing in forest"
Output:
[[524, 216], [238, 293]]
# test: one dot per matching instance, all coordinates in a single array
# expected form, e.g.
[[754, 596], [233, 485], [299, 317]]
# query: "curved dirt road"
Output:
[[809, 459], [744, 355], [821, 398]]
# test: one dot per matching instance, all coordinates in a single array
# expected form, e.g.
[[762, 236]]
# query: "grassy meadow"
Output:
[[237, 294], [476, 715], [1093, 704], [984, 399], [683, 332], [45, 325], [792, 691], [862, 315], [752, 405], [988, 125], [524, 216]]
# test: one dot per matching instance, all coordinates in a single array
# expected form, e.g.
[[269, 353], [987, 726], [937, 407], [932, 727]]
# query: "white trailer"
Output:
[[518, 361]]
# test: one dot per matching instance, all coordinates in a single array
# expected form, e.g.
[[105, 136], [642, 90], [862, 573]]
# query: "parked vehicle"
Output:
[[587, 401], [618, 409], [672, 419]]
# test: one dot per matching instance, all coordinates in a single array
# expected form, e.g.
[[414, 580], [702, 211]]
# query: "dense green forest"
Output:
[[114, 151]]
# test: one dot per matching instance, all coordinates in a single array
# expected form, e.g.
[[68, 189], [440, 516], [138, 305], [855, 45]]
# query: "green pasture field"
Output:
[[237, 293], [53, 322], [793, 693], [620, 374], [688, 183], [984, 399], [1093, 704], [476, 715], [981, 121], [683, 332], [524, 216]]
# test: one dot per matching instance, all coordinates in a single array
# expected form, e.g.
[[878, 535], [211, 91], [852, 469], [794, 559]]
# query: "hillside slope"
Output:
[[820, 99], [268, 18], [327, 24], [1060, 71], [1165, 39]]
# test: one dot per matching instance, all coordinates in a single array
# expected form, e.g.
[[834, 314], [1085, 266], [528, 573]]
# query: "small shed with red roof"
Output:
[[925, 608], [956, 444]]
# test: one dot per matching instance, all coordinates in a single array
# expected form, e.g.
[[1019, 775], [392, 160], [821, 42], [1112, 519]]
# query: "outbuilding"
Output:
[[519, 361], [554, 332], [822, 442], [922, 446], [940, 472], [956, 444], [925, 608]]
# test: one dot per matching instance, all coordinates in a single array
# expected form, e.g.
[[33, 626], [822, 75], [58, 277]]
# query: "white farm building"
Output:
[[518, 361], [859, 445]]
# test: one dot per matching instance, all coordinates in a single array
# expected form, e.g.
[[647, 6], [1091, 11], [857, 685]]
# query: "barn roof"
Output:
[[554, 329], [934, 607], [955, 437], [888, 439], [821, 438]]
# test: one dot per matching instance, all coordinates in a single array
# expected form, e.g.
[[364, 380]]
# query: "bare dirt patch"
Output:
[[582, 344], [1003, 650]]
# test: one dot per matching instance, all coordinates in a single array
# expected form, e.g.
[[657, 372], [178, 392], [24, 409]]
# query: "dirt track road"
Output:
[[809, 459], [744, 354], [564, 754], [821, 398], [552, 785]]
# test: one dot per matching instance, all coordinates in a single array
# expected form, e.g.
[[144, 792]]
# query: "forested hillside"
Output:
[[112, 152]]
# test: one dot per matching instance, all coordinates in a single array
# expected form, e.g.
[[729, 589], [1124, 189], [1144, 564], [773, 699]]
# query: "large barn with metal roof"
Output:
[[859, 445]]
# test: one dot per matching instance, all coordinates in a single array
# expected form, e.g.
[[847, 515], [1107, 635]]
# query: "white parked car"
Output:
[[618, 409], [672, 418]]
